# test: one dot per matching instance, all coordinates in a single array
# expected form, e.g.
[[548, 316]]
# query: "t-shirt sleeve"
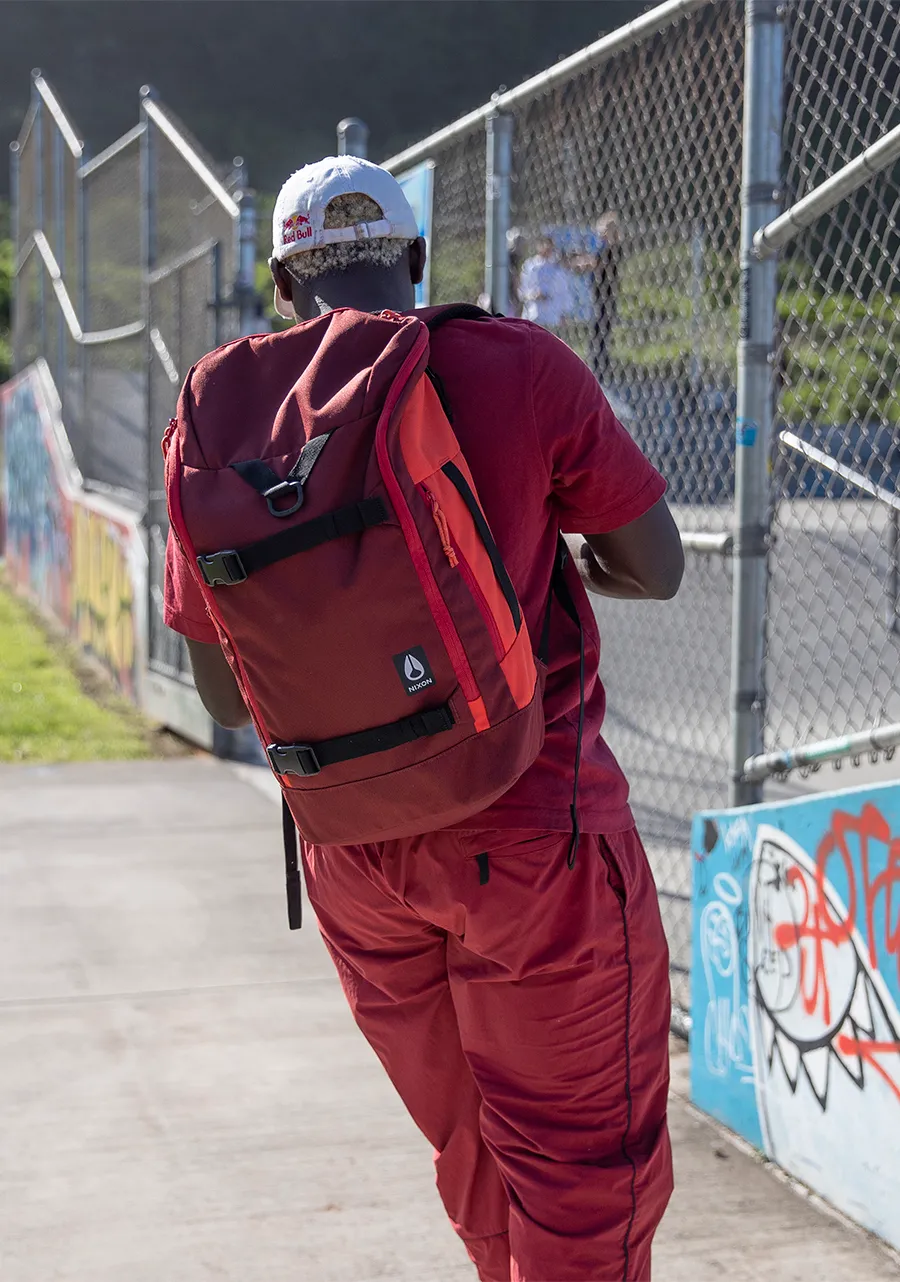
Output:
[[599, 479], [184, 607]]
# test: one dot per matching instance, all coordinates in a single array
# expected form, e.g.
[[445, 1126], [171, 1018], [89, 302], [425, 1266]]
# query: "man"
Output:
[[518, 999], [601, 269], [545, 287]]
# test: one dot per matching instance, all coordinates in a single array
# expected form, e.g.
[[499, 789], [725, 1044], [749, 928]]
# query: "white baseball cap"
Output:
[[298, 220]]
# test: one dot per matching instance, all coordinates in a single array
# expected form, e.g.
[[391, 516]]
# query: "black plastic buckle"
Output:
[[278, 491], [293, 759], [222, 569]]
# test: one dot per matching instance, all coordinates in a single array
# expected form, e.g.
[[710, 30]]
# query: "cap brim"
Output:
[[284, 309]]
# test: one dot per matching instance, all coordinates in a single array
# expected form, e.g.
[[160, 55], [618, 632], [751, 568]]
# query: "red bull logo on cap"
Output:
[[297, 227]]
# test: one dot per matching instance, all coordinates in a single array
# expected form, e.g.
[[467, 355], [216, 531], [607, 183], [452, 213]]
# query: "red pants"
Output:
[[524, 1021]]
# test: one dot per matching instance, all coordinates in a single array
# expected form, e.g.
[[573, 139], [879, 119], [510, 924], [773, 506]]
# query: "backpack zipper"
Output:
[[457, 558], [440, 520]]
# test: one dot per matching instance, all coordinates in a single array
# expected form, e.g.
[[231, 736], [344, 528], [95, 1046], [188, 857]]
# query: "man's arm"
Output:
[[642, 560], [216, 685]]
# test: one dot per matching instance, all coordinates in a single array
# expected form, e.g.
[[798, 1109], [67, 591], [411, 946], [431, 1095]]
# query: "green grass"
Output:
[[45, 715]]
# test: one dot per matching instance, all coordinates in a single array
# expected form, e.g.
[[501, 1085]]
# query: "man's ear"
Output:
[[282, 280], [418, 256]]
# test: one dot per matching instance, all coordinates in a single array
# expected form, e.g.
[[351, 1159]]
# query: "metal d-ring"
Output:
[[278, 491]]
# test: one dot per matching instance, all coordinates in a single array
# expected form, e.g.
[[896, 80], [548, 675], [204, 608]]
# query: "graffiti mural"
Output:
[[37, 510], [796, 987], [103, 600], [80, 556]]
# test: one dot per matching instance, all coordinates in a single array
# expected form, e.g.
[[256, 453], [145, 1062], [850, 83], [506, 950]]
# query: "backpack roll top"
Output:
[[338, 540]]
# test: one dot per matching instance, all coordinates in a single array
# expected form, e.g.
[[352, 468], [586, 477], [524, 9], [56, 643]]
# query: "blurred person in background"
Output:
[[516, 245], [545, 287], [600, 267]]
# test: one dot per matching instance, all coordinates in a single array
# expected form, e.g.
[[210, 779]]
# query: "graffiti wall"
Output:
[[796, 989], [80, 556], [37, 510]]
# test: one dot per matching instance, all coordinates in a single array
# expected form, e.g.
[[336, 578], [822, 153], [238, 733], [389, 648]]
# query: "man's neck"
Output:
[[352, 289]]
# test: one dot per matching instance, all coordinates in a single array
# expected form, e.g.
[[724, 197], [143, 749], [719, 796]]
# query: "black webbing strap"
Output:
[[291, 867], [456, 311], [438, 384], [308, 759], [260, 477], [234, 565], [311, 758], [560, 589], [309, 457]]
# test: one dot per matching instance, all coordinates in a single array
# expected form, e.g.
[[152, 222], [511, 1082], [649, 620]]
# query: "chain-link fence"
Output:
[[130, 266], [625, 178], [457, 232], [110, 444], [192, 247], [628, 230], [832, 608]]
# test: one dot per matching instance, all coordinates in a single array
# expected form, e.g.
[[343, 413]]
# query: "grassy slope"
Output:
[[44, 713]]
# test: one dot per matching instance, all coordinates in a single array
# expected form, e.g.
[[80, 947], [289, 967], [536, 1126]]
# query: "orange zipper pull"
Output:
[[444, 531]]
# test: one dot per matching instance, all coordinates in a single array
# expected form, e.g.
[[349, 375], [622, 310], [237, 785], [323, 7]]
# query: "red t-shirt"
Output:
[[547, 453]]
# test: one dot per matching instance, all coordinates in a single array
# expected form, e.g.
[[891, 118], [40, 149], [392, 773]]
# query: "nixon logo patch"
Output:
[[414, 670]]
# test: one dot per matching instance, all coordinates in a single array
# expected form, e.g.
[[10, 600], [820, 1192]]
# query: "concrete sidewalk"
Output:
[[184, 1098]]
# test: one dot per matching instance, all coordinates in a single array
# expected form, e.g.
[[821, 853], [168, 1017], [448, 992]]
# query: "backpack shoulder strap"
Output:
[[457, 311]]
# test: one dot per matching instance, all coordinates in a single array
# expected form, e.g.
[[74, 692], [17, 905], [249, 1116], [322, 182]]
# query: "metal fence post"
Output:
[[763, 93], [38, 131], [148, 262], [15, 230], [498, 141], [246, 282], [353, 137], [81, 249], [59, 249], [892, 539]]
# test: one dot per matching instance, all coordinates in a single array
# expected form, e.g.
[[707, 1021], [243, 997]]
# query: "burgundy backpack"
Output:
[[316, 485]]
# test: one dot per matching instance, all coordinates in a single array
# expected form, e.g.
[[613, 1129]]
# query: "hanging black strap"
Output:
[[233, 565], [560, 589], [291, 867], [566, 600], [310, 758]]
